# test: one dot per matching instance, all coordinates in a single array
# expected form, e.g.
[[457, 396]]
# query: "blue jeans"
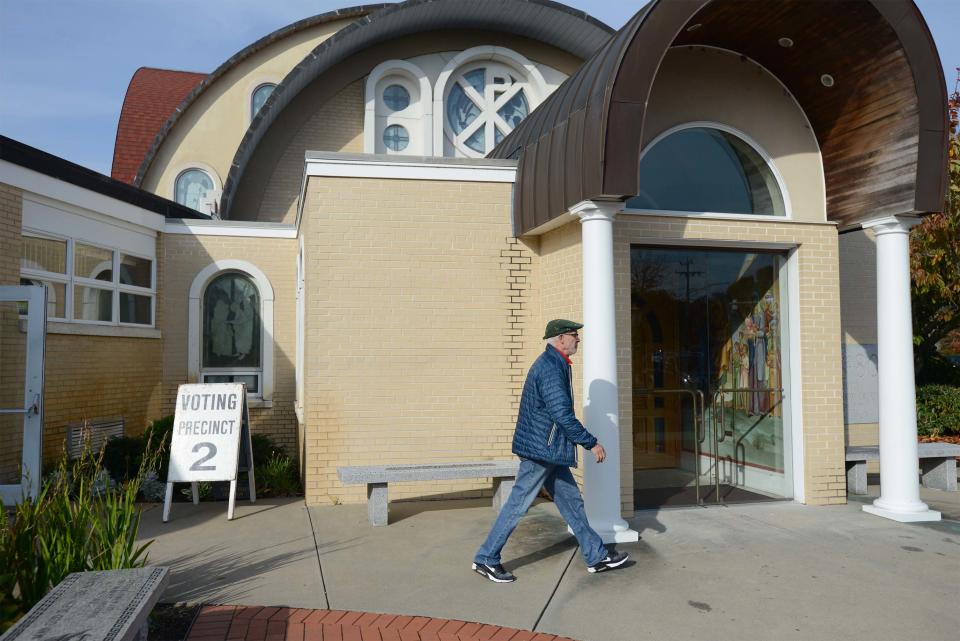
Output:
[[559, 482]]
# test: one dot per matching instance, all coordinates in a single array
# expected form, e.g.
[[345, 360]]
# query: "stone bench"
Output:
[[94, 606], [376, 478], [938, 466]]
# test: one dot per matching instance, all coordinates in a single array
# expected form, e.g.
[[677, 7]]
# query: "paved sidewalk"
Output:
[[239, 623], [770, 571]]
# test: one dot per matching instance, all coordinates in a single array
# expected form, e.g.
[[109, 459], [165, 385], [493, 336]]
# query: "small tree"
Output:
[[935, 267]]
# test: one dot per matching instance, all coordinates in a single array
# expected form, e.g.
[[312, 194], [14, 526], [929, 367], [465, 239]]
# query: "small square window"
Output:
[[43, 254], [135, 308], [135, 271], [93, 262], [92, 304]]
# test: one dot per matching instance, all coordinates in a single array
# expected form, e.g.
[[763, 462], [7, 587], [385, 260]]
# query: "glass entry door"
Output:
[[708, 420]]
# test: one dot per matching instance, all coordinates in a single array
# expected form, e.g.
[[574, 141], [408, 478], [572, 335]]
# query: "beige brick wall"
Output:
[[93, 377], [416, 329], [183, 257], [11, 340], [336, 126]]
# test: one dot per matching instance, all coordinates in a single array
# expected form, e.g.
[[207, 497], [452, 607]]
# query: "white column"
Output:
[[899, 467], [601, 410]]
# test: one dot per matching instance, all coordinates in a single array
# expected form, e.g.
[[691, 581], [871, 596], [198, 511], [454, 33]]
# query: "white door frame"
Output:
[[32, 406]]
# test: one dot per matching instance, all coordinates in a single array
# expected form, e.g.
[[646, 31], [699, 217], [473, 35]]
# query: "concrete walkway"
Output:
[[766, 571]]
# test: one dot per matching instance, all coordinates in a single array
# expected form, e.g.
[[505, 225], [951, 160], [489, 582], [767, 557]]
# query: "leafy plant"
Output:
[[80, 520], [278, 476], [935, 269], [938, 410]]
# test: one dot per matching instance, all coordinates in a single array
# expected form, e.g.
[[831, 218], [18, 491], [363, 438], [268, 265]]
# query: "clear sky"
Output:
[[65, 64]]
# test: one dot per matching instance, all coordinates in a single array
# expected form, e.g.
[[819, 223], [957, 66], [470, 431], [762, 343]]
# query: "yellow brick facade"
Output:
[[183, 258], [417, 329], [11, 340]]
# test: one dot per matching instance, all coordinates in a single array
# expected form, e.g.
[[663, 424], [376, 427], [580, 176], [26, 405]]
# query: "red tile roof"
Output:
[[152, 97]]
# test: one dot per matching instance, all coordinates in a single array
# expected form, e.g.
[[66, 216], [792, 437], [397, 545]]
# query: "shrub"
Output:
[[81, 520], [277, 476], [123, 455], [938, 410]]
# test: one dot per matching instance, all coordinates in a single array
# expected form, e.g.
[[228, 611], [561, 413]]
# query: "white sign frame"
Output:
[[217, 413]]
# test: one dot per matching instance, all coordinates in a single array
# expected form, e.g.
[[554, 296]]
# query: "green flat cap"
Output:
[[560, 326]]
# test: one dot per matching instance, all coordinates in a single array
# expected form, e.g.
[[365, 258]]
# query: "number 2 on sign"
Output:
[[211, 452]]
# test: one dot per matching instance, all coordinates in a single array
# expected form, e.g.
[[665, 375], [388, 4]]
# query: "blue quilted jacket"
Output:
[[547, 429]]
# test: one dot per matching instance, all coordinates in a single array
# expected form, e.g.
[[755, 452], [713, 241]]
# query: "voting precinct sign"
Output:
[[211, 438]]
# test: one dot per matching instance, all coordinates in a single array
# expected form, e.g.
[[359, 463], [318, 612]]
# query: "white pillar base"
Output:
[[903, 516]]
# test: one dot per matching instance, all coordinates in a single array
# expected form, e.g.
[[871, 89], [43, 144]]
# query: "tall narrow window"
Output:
[[232, 337], [259, 96]]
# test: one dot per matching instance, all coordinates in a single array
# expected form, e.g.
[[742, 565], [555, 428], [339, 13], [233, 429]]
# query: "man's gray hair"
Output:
[[553, 340]]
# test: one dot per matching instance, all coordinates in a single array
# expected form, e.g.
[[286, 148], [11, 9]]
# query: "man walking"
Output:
[[546, 440]]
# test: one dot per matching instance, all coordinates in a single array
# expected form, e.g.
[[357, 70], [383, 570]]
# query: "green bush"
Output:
[[123, 455], [79, 521], [938, 410], [277, 476]]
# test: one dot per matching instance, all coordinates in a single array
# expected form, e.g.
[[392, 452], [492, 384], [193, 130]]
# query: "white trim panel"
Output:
[[227, 228], [37, 183], [410, 171]]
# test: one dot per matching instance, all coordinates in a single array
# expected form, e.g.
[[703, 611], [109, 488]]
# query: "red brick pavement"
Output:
[[252, 623]]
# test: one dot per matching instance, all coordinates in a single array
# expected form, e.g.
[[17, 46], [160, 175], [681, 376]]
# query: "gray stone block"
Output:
[[106, 606], [376, 478], [501, 492], [857, 477], [377, 504], [939, 473]]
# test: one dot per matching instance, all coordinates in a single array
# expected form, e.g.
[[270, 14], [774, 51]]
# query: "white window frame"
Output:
[[72, 281], [195, 374], [767, 158], [416, 118]]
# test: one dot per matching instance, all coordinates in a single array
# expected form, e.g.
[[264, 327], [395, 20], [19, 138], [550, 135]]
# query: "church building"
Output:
[[368, 217]]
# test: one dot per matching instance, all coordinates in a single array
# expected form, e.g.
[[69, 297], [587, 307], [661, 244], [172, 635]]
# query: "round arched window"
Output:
[[259, 96], [193, 188], [483, 105], [396, 97], [702, 169], [396, 137]]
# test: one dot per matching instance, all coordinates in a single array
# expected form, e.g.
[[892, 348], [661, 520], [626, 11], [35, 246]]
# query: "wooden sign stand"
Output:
[[213, 411]]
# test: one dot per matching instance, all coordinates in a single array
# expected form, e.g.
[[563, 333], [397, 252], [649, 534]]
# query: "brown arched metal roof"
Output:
[[882, 127], [543, 20], [172, 118]]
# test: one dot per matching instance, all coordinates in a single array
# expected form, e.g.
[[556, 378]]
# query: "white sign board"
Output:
[[206, 432], [209, 428]]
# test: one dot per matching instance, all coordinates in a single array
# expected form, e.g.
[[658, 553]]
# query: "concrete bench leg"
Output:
[[502, 487], [377, 503], [939, 473], [856, 477]]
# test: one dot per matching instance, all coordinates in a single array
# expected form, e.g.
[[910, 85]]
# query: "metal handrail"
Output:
[[698, 431], [33, 409], [716, 423]]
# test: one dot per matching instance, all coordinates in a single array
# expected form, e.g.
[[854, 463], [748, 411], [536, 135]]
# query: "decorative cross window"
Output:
[[483, 105]]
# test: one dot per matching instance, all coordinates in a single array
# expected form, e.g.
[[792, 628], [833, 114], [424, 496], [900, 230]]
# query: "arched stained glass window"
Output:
[[702, 169], [484, 105], [259, 96], [193, 188], [231, 342]]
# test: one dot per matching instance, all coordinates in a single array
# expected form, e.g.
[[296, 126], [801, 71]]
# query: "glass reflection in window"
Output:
[[194, 186], [702, 169], [260, 95]]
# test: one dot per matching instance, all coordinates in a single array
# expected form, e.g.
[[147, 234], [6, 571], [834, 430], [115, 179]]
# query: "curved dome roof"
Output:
[[548, 22], [169, 108], [881, 126]]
